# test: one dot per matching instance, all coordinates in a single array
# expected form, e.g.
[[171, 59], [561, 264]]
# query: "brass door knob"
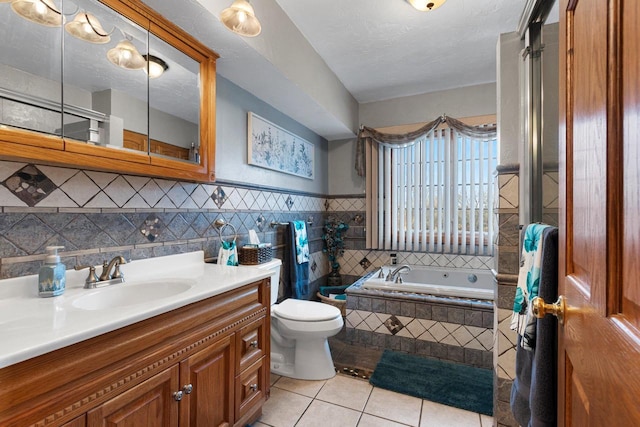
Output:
[[541, 308]]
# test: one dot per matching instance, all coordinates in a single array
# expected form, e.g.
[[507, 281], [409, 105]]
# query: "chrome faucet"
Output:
[[115, 264], [394, 276]]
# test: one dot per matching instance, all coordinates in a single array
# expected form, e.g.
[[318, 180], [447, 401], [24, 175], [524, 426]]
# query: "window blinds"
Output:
[[435, 195]]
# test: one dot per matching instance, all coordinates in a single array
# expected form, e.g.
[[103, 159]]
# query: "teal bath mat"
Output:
[[452, 384]]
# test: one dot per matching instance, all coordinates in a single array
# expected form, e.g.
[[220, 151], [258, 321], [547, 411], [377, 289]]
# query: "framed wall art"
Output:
[[272, 147]]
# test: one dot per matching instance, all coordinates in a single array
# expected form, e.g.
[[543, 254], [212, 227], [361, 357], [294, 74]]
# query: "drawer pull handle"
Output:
[[253, 387], [254, 344], [177, 396], [187, 389]]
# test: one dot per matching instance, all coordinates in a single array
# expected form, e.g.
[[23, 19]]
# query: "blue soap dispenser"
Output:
[[52, 275]]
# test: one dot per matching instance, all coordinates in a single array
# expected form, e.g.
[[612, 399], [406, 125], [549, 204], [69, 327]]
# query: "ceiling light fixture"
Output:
[[43, 12], [240, 18], [155, 66], [86, 27], [425, 5], [125, 55]]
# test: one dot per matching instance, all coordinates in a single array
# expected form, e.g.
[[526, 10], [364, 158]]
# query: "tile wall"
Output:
[[507, 265], [444, 328], [96, 215]]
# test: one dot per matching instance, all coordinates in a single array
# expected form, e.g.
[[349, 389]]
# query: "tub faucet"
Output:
[[106, 268], [394, 275]]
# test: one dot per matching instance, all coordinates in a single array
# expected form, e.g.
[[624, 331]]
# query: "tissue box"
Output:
[[254, 254]]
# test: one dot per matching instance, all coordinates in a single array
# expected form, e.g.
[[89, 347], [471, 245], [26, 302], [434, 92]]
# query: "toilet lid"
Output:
[[305, 311]]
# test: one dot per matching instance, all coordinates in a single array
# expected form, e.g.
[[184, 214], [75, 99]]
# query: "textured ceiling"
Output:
[[382, 49]]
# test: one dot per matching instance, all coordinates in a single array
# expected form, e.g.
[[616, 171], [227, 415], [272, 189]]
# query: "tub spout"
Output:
[[393, 274]]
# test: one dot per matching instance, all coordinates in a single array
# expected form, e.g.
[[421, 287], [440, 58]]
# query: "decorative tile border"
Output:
[[27, 185]]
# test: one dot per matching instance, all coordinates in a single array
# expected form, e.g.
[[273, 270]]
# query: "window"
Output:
[[434, 194]]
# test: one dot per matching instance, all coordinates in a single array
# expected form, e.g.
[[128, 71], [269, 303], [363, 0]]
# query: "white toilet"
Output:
[[299, 332]]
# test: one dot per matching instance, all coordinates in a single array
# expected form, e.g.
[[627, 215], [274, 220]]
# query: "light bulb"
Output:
[[41, 8]]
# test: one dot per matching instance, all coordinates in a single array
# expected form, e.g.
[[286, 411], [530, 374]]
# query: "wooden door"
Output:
[[150, 403], [210, 373], [599, 343]]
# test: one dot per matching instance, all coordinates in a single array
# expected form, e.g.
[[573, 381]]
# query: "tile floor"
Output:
[[345, 401]]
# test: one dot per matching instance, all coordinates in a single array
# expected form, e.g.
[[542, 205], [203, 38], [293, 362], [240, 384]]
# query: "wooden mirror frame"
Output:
[[24, 145]]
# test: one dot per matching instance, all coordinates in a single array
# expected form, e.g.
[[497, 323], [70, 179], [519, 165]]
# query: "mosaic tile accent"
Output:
[[219, 196], [393, 324], [151, 228], [261, 222], [30, 185], [289, 202], [365, 263], [314, 266]]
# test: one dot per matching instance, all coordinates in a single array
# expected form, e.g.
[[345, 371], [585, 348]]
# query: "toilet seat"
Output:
[[305, 311]]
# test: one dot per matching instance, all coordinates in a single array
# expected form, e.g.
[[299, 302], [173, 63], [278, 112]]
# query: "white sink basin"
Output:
[[125, 294]]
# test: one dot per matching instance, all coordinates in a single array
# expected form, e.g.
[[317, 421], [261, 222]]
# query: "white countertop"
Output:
[[31, 326]]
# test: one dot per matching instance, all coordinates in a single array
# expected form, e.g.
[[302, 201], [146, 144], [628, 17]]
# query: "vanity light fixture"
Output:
[[125, 55], [86, 27], [43, 12], [240, 18], [425, 5], [155, 66]]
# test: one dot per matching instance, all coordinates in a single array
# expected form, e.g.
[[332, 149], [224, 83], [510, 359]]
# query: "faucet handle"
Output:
[[92, 278], [117, 274]]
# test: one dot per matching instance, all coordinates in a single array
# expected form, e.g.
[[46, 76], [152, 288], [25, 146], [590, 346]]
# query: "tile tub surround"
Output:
[[96, 215], [453, 329], [506, 270]]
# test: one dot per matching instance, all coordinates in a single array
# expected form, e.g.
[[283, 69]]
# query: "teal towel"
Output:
[[228, 254], [301, 242], [523, 321]]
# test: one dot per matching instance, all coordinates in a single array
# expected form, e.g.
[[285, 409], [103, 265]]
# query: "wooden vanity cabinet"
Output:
[[204, 364]]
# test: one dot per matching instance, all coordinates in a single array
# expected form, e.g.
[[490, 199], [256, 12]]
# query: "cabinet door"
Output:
[[251, 344], [250, 388], [209, 375], [150, 403]]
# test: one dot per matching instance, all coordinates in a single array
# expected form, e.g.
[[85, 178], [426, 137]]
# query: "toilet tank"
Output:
[[273, 265]]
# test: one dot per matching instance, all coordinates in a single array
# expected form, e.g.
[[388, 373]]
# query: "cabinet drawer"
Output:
[[251, 344], [250, 388]]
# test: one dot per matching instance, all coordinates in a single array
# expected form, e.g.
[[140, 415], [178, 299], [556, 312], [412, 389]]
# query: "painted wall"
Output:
[[343, 179], [508, 87], [233, 104], [458, 103]]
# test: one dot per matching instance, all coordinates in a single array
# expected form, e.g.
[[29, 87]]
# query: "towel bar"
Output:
[[275, 224]]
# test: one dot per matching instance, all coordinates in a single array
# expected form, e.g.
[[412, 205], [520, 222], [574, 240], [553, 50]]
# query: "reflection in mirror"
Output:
[[174, 100], [105, 86], [30, 90]]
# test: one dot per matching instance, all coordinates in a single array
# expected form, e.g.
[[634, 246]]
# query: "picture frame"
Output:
[[273, 147]]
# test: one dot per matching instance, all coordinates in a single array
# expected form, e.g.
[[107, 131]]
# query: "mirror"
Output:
[[174, 113], [30, 91], [123, 87], [103, 101]]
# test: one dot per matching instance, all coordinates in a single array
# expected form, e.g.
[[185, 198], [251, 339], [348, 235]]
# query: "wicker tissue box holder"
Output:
[[253, 254]]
